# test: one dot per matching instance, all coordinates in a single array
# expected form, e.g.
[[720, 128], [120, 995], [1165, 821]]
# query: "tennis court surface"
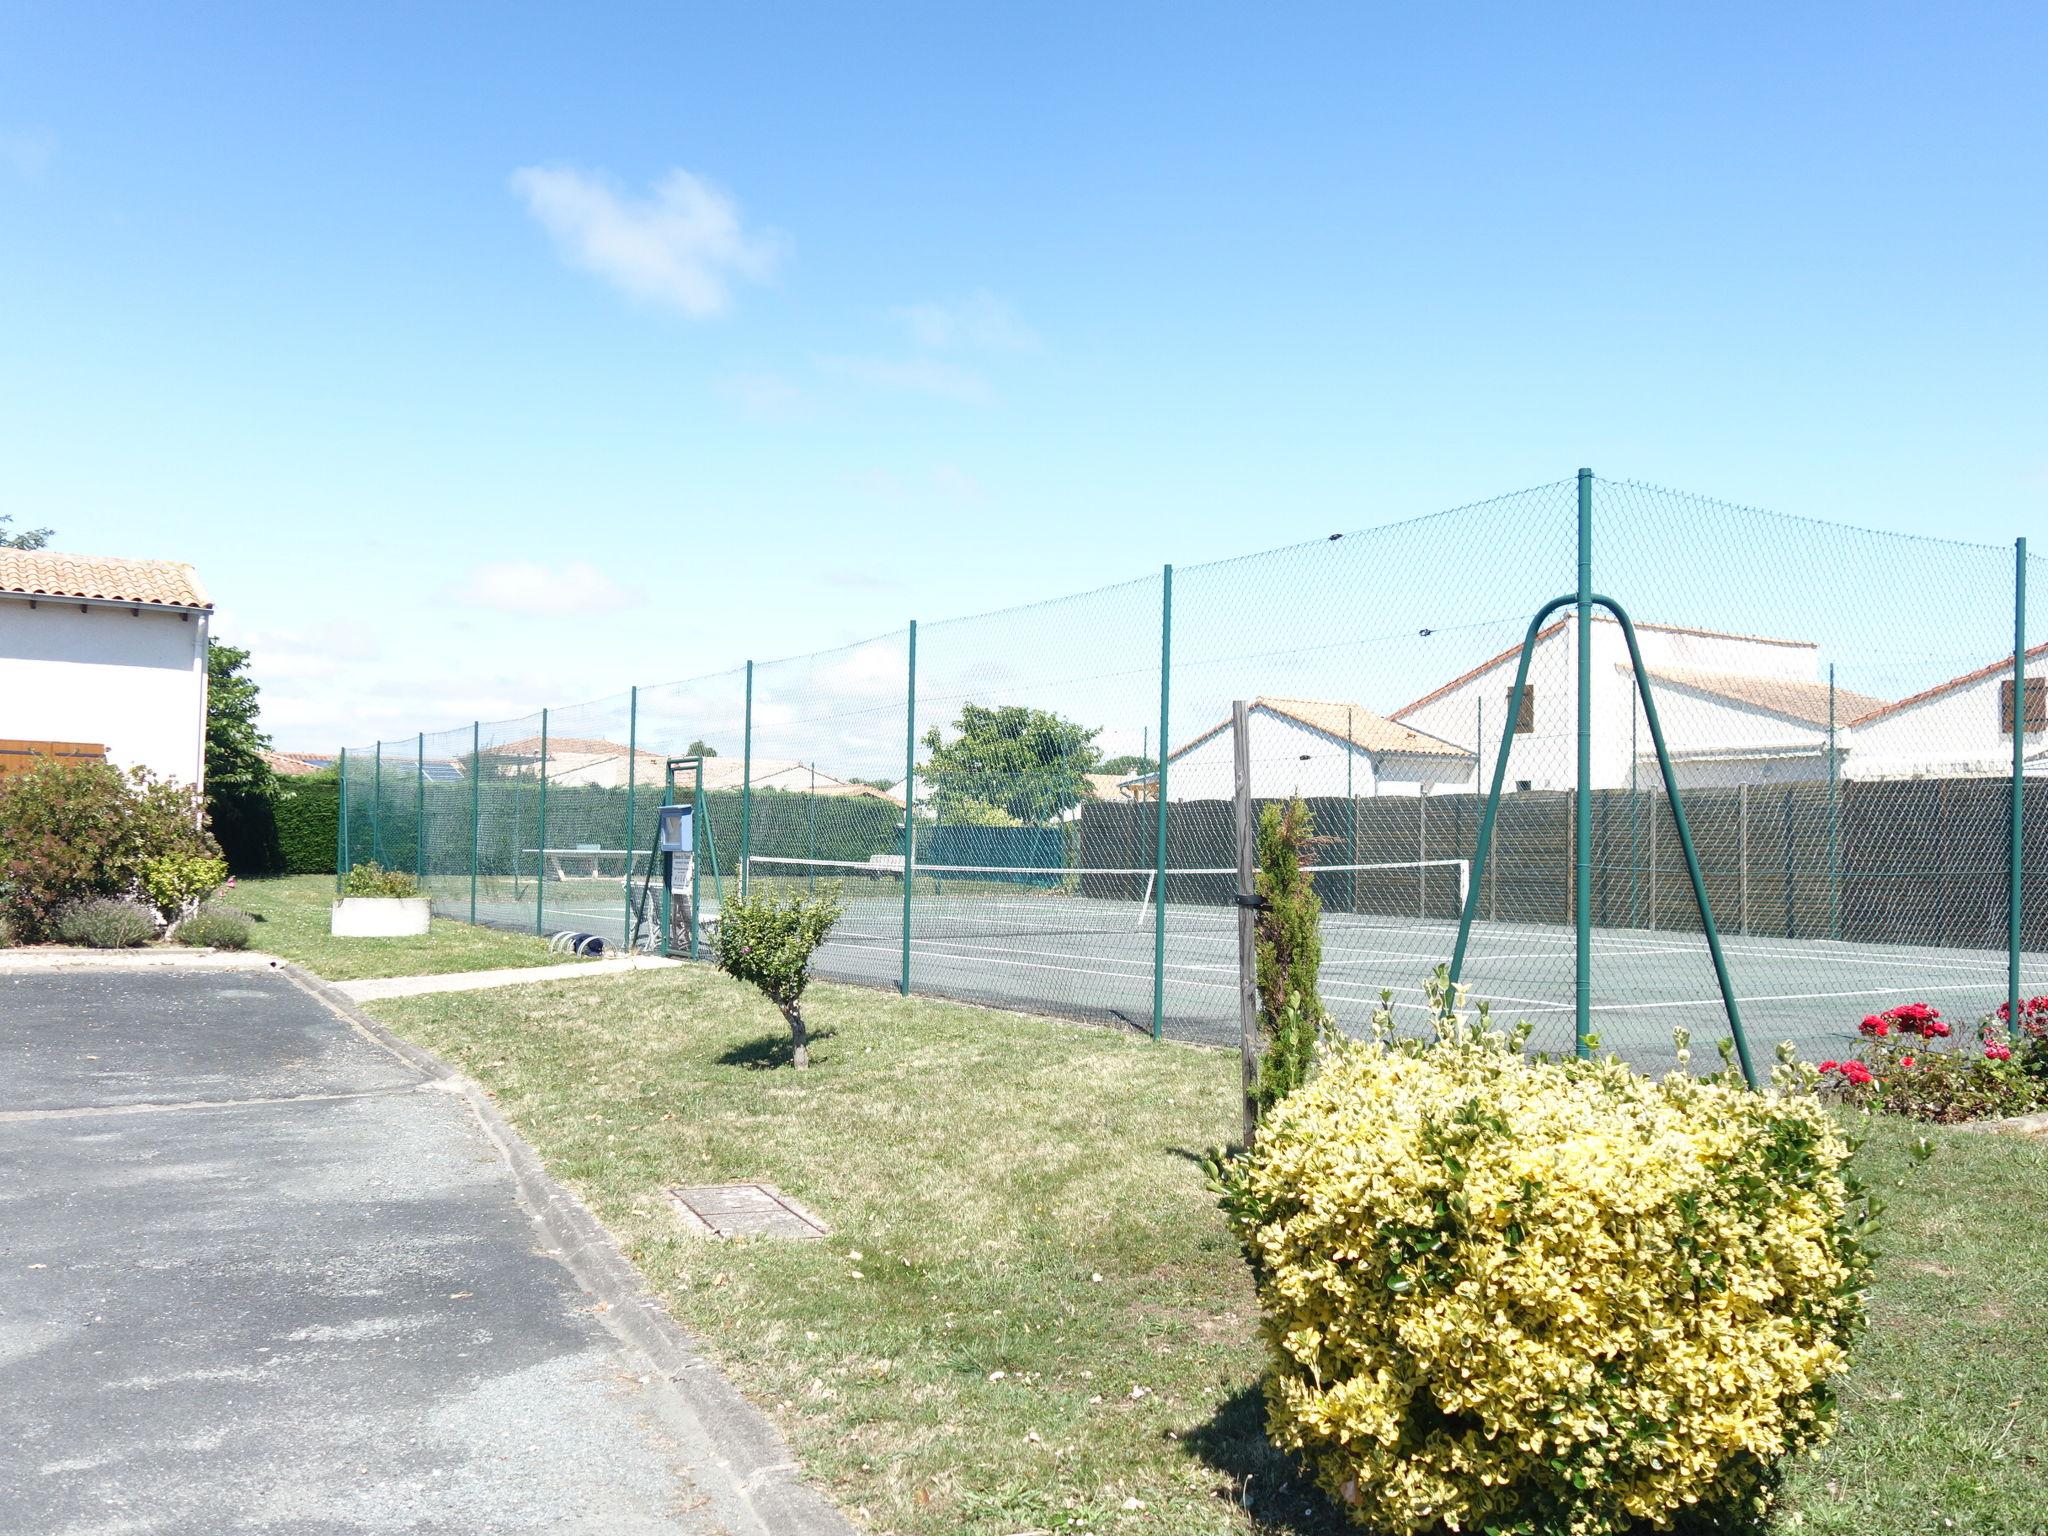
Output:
[[1082, 945]]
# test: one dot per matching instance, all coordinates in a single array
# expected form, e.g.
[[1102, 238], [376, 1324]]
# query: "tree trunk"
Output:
[[800, 1053]]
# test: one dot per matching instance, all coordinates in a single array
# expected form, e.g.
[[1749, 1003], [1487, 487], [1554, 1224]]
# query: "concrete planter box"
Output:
[[380, 917]]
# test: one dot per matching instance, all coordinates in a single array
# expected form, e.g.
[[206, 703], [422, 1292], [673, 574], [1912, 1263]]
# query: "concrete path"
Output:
[[263, 1270], [475, 981]]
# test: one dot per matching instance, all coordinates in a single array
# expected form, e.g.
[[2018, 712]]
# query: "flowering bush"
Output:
[[1552, 1296], [373, 879], [1903, 1071], [71, 831], [2027, 1036]]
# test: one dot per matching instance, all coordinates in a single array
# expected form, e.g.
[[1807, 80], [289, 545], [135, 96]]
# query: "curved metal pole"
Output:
[[1500, 771], [1692, 862]]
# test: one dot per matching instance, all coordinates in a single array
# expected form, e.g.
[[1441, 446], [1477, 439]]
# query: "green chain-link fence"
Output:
[[987, 794]]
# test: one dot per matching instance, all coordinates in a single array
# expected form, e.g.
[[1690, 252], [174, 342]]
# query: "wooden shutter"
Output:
[[1524, 716], [19, 756], [2037, 706]]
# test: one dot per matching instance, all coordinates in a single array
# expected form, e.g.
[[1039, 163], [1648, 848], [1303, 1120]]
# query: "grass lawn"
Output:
[[291, 920], [1028, 1317]]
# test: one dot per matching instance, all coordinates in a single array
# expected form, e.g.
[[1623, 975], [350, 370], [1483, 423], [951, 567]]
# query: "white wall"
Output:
[[1953, 733], [1288, 758], [134, 682], [1547, 757]]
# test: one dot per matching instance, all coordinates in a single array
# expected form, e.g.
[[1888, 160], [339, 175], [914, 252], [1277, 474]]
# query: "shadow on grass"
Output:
[[1267, 1484], [770, 1052]]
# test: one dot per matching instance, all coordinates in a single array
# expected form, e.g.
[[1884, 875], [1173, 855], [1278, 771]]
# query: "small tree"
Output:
[[26, 538], [1288, 945], [770, 944]]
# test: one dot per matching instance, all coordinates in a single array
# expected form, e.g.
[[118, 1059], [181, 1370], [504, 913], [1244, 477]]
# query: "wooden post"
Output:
[[1247, 963]]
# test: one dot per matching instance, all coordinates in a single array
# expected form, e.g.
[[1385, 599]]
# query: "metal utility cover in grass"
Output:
[[745, 1210]]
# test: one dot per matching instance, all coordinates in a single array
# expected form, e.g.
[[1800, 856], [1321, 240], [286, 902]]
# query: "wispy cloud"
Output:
[[682, 246], [979, 322], [528, 587], [26, 152], [918, 375]]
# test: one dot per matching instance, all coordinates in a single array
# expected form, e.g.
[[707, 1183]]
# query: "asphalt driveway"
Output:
[[260, 1271]]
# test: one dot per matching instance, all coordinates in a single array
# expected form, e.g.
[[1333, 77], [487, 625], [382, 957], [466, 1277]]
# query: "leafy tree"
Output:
[[700, 749], [1130, 765], [235, 744], [1288, 947], [28, 538], [962, 811], [770, 944], [1027, 763]]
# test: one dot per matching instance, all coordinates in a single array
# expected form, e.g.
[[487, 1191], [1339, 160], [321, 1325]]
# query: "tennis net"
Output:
[[989, 899]]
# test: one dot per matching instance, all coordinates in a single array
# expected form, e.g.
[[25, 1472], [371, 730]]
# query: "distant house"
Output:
[[1735, 708], [1959, 728], [297, 765], [103, 658], [1313, 747], [593, 760]]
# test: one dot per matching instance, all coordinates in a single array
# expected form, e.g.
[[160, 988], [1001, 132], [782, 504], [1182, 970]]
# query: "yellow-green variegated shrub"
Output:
[[1521, 1297]]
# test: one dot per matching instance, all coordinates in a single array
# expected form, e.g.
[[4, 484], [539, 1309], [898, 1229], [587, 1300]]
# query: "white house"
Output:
[[1735, 708], [103, 658], [1312, 747], [1960, 728]]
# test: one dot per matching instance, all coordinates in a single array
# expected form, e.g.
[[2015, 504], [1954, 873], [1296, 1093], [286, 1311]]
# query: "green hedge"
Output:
[[289, 831]]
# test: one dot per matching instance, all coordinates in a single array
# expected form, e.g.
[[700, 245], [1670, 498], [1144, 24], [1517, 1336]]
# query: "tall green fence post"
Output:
[[1159, 804], [341, 826], [1834, 819], [377, 803], [700, 836], [1582, 803], [476, 808], [419, 848], [747, 791], [2019, 780], [540, 854], [909, 805], [632, 762]]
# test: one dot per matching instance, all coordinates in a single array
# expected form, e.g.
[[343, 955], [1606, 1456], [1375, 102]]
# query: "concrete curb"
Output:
[[700, 1408], [50, 958]]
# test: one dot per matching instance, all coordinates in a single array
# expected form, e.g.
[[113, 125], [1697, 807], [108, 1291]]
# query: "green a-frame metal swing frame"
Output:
[[1585, 600]]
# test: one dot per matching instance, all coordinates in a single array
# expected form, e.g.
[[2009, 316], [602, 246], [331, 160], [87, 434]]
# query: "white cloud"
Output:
[[681, 246], [978, 322], [533, 588], [918, 375], [27, 151]]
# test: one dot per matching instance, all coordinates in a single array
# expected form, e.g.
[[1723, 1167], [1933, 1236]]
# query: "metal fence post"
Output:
[[1834, 820], [419, 848], [476, 807], [1582, 820], [2019, 781], [747, 791], [909, 805], [1159, 813], [341, 826], [1247, 891], [632, 788], [377, 804], [540, 854]]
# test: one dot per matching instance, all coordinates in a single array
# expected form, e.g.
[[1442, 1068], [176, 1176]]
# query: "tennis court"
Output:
[[1081, 944]]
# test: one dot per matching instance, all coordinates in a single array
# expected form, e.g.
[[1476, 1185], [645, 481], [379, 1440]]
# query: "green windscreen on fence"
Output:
[[985, 794]]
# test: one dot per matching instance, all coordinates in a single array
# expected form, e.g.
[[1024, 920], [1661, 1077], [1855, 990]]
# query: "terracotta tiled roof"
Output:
[[2003, 664], [288, 765], [1795, 700], [1345, 722], [146, 583]]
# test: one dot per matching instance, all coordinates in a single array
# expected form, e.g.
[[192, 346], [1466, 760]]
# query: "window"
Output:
[[2037, 705], [1525, 716], [1524, 784]]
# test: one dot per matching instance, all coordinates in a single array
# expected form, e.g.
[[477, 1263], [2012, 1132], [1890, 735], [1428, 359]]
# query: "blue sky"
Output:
[[488, 356]]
